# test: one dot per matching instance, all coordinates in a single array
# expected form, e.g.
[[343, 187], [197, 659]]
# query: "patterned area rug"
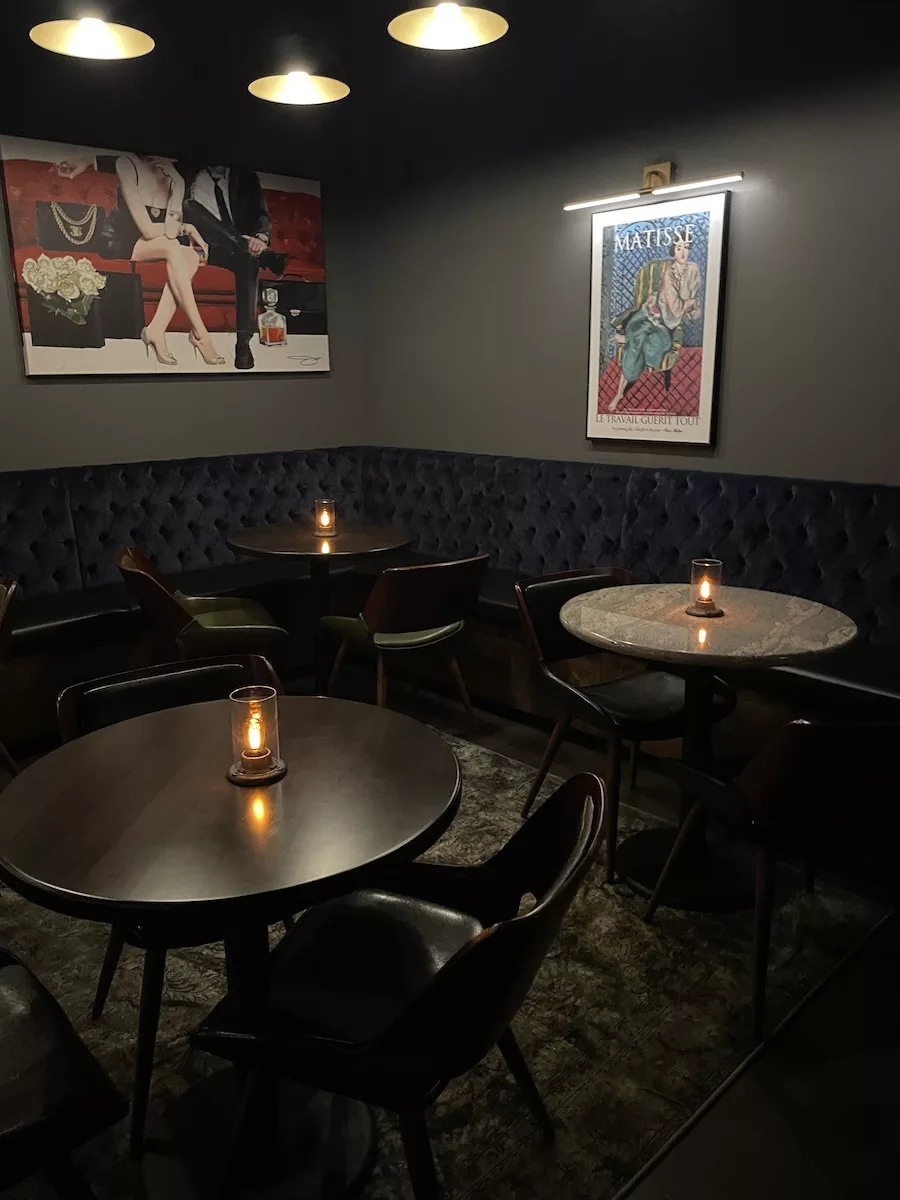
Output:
[[628, 1029]]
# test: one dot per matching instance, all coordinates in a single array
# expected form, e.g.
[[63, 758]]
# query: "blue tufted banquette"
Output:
[[835, 542]]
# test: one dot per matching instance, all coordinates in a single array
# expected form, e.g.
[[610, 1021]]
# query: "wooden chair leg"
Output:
[[635, 755], [461, 688], [615, 787], [518, 1068], [419, 1157], [556, 737], [8, 761], [381, 684], [66, 1179], [151, 1002], [342, 653], [114, 948], [762, 934], [672, 861]]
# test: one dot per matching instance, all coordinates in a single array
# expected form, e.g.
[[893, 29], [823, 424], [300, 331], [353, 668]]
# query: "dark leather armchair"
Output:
[[647, 706], [8, 589], [96, 704], [54, 1095], [386, 995], [793, 798], [413, 608], [197, 626]]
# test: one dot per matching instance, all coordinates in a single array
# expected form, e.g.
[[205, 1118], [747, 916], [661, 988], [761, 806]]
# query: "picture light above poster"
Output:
[[130, 264], [656, 312]]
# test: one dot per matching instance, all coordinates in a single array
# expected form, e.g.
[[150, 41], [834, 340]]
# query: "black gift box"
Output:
[[54, 329], [122, 305]]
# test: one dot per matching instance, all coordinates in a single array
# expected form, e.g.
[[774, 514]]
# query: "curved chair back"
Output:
[[475, 996], [96, 703], [153, 592], [541, 598], [407, 599], [8, 589], [801, 787]]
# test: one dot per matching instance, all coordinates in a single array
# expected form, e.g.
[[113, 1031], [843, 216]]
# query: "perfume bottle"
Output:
[[272, 325]]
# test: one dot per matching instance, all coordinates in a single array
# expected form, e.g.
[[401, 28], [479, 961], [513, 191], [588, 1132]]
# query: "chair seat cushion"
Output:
[[216, 613], [356, 632], [348, 968], [54, 1095], [649, 705]]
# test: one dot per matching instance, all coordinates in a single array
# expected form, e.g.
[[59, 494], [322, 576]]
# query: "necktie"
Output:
[[224, 215]]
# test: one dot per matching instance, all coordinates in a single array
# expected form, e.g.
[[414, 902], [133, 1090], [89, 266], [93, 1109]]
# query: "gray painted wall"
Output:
[[477, 298], [55, 422]]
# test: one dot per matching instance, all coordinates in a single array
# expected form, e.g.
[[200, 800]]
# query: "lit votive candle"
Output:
[[254, 737], [325, 518], [706, 581]]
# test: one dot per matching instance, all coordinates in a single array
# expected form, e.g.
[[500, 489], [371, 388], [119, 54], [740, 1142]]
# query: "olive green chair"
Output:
[[199, 626], [420, 608], [8, 589]]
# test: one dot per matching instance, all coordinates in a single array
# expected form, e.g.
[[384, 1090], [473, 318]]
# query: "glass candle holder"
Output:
[[325, 518], [706, 583], [254, 737]]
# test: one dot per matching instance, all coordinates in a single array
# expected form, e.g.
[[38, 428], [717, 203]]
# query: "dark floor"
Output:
[[818, 1113]]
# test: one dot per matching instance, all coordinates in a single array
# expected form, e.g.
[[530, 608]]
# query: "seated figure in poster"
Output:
[[646, 332]]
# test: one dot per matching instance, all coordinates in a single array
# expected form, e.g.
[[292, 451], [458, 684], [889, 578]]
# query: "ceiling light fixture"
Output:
[[91, 38], [299, 87], [448, 27]]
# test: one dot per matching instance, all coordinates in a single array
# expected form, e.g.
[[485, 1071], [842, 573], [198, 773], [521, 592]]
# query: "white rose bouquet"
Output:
[[68, 288]]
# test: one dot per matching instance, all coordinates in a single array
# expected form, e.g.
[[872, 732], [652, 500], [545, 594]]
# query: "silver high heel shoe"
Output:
[[167, 360], [216, 361]]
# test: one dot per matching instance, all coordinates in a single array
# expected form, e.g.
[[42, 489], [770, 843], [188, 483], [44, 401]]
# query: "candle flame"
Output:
[[705, 589], [701, 636], [255, 732], [325, 519]]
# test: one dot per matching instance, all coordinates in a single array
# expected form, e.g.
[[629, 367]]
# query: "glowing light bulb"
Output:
[[448, 27], [325, 519], [255, 733], [705, 589]]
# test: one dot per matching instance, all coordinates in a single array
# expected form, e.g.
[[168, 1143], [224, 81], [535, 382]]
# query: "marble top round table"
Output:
[[758, 629]]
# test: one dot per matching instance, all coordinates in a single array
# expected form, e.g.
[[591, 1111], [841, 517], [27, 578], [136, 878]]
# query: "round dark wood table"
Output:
[[758, 629], [137, 824], [298, 542]]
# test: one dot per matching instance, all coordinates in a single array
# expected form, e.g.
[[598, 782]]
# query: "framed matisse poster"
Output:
[[657, 283], [133, 264]]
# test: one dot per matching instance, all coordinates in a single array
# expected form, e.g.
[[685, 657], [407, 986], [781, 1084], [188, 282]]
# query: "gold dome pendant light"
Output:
[[448, 27], [298, 87], [91, 38]]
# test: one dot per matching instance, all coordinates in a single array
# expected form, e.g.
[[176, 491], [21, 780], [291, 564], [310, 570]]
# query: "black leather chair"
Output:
[[54, 1095], [386, 995], [795, 797], [95, 704], [645, 707], [197, 626], [8, 589], [415, 608]]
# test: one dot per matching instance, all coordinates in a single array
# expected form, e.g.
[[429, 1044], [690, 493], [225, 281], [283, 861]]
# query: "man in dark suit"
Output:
[[228, 207]]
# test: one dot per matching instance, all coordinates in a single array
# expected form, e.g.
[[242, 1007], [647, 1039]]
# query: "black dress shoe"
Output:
[[243, 357], [273, 261]]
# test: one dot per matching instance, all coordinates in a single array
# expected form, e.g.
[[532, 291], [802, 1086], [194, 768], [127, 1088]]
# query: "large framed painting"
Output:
[[657, 284], [130, 264]]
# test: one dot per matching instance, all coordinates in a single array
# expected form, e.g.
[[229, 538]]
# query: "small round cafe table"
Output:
[[137, 824], [298, 542], [758, 629]]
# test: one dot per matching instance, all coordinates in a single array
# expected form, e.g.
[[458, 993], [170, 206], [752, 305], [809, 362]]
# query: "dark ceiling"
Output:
[[567, 70]]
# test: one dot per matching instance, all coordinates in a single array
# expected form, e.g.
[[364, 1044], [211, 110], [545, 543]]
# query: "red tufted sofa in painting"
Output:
[[296, 225]]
